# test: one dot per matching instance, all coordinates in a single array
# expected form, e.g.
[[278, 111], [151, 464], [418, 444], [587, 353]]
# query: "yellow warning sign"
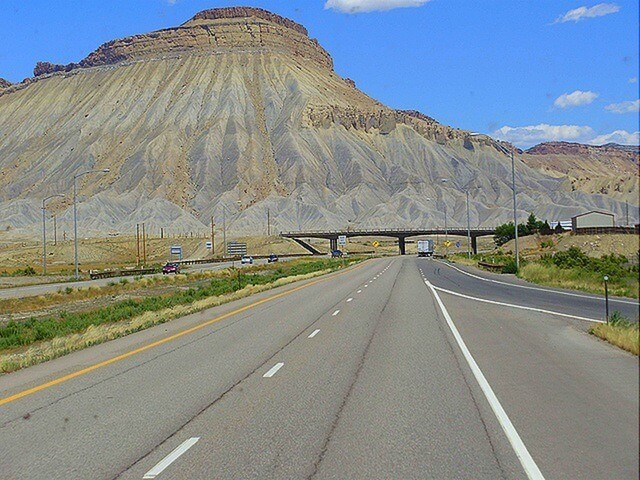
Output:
[[376, 244], [447, 243]]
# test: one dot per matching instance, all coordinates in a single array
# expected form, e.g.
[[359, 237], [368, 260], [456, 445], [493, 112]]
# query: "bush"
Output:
[[510, 266]]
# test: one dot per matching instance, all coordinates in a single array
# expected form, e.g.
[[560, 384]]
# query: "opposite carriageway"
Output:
[[400, 233]]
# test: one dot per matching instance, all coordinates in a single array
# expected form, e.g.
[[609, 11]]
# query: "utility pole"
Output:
[[44, 231], [626, 204], [144, 245], [75, 215], [268, 223], [213, 237], [138, 244], [224, 229]]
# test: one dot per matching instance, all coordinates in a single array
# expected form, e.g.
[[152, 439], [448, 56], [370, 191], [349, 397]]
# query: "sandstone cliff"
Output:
[[239, 109], [608, 169]]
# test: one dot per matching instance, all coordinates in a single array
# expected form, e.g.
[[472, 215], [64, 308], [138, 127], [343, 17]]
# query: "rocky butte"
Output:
[[239, 108]]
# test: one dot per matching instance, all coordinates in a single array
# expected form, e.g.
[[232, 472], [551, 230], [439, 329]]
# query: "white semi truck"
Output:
[[425, 248]]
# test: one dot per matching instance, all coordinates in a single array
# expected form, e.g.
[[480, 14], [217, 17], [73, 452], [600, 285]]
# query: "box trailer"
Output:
[[425, 248]]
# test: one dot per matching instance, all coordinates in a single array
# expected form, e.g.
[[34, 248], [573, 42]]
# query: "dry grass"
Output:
[[575, 279], [623, 335], [70, 295], [94, 335]]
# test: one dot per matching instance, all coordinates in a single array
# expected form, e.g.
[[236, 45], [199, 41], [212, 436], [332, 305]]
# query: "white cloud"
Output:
[[575, 99], [581, 13], [619, 136], [360, 6], [633, 80], [631, 106], [532, 134]]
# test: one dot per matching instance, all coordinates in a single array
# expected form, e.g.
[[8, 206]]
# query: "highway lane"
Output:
[[356, 375], [471, 281], [570, 395], [41, 289]]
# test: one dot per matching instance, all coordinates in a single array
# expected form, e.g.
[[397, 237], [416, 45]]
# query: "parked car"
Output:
[[246, 259], [336, 253], [272, 258], [171, 268]]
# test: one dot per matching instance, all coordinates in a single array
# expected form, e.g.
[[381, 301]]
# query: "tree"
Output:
[[532, 224], [504, 233]]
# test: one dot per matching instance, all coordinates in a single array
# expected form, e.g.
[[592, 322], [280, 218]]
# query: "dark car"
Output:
[[272, 258], [171, 268], [336, 254]]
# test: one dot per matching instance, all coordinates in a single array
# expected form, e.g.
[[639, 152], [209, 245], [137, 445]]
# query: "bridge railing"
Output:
[[416, 231]]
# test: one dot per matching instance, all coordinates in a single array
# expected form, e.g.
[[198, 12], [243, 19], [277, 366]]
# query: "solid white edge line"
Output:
[[522, 307], [335, 313], [527, 462], [172, 457], [314, 333], [272, 371], [534, 288]]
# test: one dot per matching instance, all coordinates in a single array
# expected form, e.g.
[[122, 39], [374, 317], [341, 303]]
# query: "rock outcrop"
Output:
[[4, 83], [238, 110], [216, 30], [607, 169]]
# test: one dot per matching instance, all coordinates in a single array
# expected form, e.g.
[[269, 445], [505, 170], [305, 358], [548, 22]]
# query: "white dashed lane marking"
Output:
[[272, 371]]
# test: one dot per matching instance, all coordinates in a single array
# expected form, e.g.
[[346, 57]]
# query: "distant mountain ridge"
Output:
[[237, 110], [609, 169]]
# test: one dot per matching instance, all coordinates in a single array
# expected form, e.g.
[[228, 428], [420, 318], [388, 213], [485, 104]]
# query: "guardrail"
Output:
[[491, 266], [199, 261], [606, 230], [122, 273], [373, 232]]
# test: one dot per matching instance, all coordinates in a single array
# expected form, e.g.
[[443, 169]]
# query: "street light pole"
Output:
[[75, 214], [468, 227], [44, 231], [515, 209]]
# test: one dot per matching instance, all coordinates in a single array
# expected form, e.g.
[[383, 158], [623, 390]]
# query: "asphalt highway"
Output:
[[368, 373], [508, 289], [43, 288]]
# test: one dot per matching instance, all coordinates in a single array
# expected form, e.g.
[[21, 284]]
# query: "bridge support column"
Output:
[[474, 244], [402, 246], [333, 243]]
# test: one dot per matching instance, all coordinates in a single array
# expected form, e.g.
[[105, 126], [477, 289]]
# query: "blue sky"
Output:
[[525, 71]]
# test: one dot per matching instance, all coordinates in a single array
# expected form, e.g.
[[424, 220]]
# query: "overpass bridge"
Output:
[[400, 233]]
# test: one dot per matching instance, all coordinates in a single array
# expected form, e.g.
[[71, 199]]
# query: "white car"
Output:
[[246, 259]]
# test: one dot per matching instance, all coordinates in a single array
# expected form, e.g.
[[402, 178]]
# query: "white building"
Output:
[[593, 220]]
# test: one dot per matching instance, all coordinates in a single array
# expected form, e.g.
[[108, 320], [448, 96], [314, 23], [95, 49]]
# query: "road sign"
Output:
[[457, 244], [236, 248], [342, 240], [447, 243], [208, 245], [376, 244], [176, 250]]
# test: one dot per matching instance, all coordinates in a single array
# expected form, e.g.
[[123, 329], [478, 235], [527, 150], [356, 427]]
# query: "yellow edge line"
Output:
[[136, 351]]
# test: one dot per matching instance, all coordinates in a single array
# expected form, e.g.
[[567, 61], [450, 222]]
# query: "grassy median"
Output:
[[619, 332], [37, 339]]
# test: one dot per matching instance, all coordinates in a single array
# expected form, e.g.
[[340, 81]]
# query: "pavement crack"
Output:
[[354, 380]]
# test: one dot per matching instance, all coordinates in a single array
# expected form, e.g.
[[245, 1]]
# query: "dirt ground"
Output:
[[593, 245], [121, 251]]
